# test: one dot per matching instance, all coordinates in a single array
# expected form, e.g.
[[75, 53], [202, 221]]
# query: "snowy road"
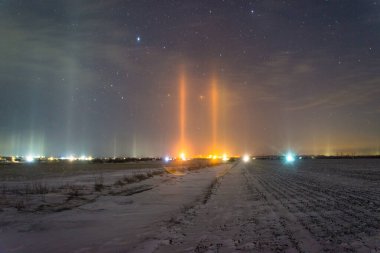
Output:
[[267, 206]]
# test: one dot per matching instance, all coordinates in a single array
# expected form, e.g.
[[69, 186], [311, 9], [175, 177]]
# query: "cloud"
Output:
[[351, 94]]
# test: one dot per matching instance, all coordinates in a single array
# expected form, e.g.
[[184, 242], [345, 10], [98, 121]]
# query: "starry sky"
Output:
[[104, 77]]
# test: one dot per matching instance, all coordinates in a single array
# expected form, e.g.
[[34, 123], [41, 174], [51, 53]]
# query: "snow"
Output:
[[260, 206], [267, 206], [111, 220]]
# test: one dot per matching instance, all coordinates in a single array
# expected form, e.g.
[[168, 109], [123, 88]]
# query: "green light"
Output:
[[290, 157]]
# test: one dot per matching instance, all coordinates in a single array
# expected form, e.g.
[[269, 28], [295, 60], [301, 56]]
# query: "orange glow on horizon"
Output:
[[183, 156]]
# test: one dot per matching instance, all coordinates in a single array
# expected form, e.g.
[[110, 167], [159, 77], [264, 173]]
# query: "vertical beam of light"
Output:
[[214, 114], [328, 151], [223, 118], [14, 145], [182, 110], [115, 154], [134, 145], [31, 143], [72, 77]]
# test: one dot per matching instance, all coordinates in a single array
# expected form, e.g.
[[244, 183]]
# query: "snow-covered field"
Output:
[[268, 206], [96, 210], [260, 206]]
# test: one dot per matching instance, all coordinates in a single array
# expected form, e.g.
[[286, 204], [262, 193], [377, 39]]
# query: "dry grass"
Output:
[[137, 178], [99, 183], [36, 171], [41, 196]]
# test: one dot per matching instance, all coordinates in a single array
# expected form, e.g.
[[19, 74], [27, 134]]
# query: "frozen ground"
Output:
[[108, 211], [261, 206], [41, 171], [266, 206]]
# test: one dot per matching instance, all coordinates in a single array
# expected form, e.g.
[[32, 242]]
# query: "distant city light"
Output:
[[29, 159], [72, 158], [225, 157], [167, 159], [290, 157], [246, 158], [183, 156], [43, 158]]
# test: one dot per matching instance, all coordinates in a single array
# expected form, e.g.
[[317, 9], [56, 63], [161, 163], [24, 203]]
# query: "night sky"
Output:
[[104, 77]]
